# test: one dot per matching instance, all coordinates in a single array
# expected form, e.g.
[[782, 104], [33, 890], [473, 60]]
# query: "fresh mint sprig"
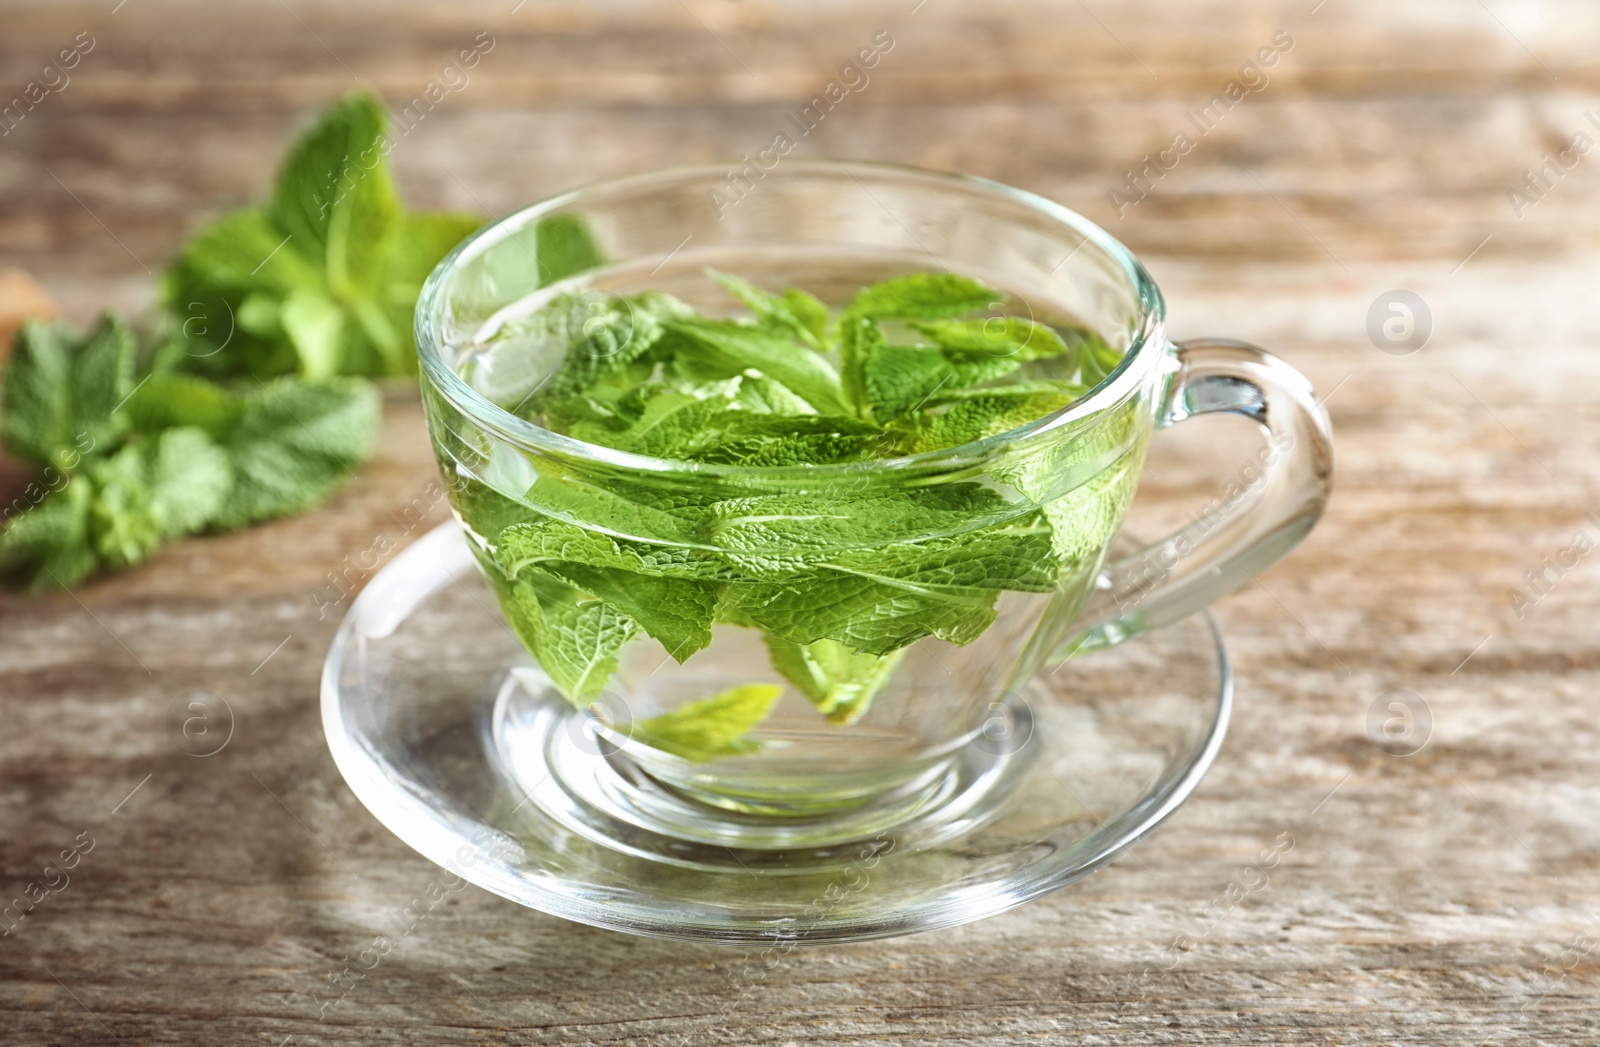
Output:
[[134, 465], [249, 409], [322, 279]]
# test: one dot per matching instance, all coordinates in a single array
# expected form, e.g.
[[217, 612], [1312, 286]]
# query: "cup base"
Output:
[[440, 723], [587, 780]]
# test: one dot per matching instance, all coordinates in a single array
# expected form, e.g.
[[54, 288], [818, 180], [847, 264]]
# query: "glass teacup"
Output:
[[886, 614]]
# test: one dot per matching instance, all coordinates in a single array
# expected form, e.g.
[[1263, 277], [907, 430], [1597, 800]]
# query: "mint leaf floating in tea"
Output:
[[840, 682], [923, 296], [575, 637], [1011, 337], [839, 579], [711, 727], [726, 349]]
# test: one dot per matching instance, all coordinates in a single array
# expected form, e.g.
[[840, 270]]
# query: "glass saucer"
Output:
[[425, 703]]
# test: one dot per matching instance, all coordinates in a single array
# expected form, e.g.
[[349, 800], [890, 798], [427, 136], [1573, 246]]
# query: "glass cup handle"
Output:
[[1262, 513]]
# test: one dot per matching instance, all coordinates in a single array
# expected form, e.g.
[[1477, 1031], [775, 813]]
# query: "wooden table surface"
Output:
[[1450, 896]]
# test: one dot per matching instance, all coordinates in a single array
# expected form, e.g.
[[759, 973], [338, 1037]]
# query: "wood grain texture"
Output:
[[1428, 899]]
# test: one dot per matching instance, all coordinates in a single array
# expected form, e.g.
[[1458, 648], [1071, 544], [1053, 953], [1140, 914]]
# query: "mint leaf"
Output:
[[123, 525], [335, 196], [1007, 336], [923, 296], [51, 545], [1097, 360], [574, 639], [166, 400], [565, 247], [845, 570], [323, 279], [248, 250], [987, 413], [815, 525], [551, 343], [601, 341], [61, 390], [865, 615], [189, 478], [711, 727], [810, 311], [424, 238], [774, 310], [901, 379], [733, 348], [662, 589], [774, 440], [859, 337], [294, 442], [550, 541], [677, 613], [315, 326], [839, 682], [148, 494], [617, 508], [1011, 394]]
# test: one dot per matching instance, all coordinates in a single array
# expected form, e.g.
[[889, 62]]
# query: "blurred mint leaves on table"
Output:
[[322, 279], [254, 403]]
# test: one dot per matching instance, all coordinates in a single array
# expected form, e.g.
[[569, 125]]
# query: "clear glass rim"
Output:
[[1146, 346]]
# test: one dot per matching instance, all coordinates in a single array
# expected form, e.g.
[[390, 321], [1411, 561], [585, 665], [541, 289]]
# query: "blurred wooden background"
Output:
[[1449, 896]]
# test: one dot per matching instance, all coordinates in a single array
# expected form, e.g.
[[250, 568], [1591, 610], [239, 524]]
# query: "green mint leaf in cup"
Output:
[[575, 638], [780, 311], [564, 247], [923, 296], [1097, 360], [812, 314], [840, 682], [676, 612], [729, 348], [839, 583], [711, 727], [1011, 337], [901, 379]]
